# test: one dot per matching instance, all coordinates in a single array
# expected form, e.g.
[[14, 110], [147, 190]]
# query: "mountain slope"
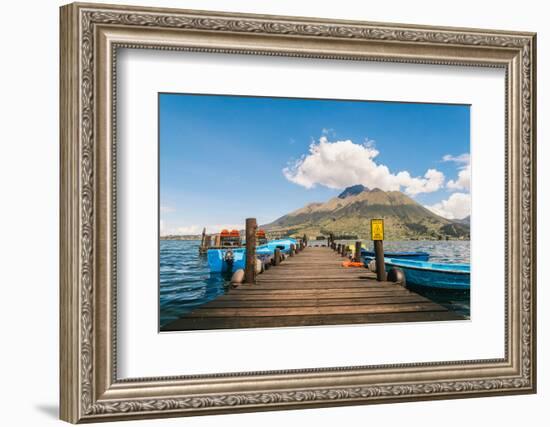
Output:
[[351, 211]]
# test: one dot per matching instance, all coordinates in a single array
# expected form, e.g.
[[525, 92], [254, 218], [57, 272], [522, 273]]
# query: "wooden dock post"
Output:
[[250, 267], [277, 257], [203, 236], [292, 249], [377, 236], [358, 251], [379, 255]]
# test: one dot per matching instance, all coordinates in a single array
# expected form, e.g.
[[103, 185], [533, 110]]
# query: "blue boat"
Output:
[[282, 244], [226, 260], [431, 274], [221, 260], [415, 256]]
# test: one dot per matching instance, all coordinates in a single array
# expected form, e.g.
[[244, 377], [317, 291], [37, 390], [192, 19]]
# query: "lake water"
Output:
[[186, 282]]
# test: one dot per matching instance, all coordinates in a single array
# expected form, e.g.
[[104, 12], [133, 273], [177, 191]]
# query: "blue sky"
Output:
[[226, 158]]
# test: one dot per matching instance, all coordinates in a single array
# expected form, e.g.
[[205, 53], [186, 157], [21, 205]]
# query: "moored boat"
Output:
[[282, 244], [413, 255], [221, 260], [410, 255], [432, 274], [226, 260]]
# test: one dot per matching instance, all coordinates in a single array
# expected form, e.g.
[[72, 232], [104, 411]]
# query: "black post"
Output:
[[379, 256], [250, 267], [358, 251]]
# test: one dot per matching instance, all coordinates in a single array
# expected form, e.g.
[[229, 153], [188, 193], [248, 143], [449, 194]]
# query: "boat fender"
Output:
[[259, 266], [237, 277], [372, 265], [397, 275]]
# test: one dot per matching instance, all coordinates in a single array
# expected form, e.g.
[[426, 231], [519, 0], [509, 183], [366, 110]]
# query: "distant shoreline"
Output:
[[183, 237], [198, 237]]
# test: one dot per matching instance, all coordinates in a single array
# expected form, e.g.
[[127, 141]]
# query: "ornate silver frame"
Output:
[[90, 36]]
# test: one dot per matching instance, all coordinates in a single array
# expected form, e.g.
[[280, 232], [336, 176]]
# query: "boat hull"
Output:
[[218, 263], [416, 256], [282, 244], [217, 258], [433, 275]]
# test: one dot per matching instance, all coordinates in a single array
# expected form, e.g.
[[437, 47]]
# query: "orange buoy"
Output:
[[352, 264], [224, 233], [234, 233]]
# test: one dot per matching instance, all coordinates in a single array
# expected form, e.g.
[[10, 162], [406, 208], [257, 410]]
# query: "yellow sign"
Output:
[[377, 229]]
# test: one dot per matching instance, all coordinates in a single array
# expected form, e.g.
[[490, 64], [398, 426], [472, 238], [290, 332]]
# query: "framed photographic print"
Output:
[[264, 212]]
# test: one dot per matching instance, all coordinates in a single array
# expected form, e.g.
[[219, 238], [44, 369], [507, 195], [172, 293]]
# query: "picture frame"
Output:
[[90, 390]]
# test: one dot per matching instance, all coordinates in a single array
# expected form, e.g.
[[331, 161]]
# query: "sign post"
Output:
[[377, 236]]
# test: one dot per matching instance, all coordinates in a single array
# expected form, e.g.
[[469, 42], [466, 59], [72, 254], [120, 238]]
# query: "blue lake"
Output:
[[186, 282]]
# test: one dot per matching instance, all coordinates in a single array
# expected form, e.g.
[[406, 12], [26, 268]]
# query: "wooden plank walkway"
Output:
[[312, 288]]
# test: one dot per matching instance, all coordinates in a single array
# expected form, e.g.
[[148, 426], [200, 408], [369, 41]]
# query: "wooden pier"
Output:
[[313, 288]]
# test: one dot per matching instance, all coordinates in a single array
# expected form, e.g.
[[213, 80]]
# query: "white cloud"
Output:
[[462, 158], [457, 206], [463, 180], [340, 164]]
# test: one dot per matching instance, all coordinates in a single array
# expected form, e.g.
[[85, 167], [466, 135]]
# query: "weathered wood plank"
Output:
[[320, 285], [311, 302], [280, 296], [328, 291], [186, 323], [324, 310]]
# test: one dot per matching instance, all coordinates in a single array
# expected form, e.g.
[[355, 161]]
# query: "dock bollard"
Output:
[[250, 266]]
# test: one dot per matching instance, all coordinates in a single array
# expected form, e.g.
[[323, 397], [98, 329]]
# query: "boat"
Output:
[[432, 274], [221, 260], [282, 244], [412, 255], [226, 259]]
